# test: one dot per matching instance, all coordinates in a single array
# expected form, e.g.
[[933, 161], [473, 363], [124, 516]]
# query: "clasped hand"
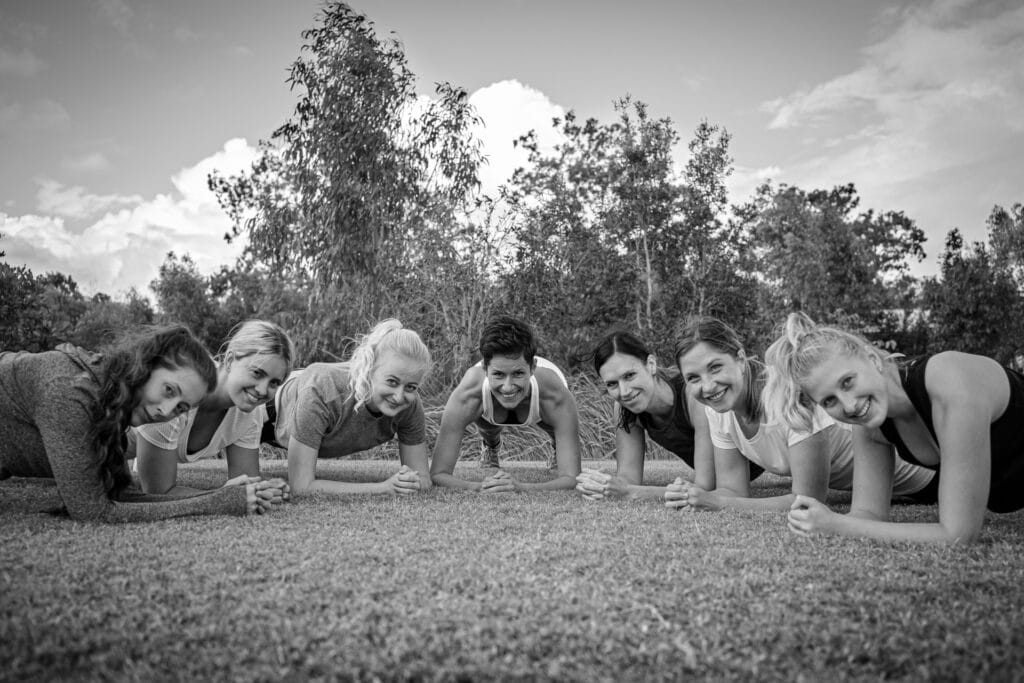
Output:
[[405, 481], [499, 482], [261, 495]]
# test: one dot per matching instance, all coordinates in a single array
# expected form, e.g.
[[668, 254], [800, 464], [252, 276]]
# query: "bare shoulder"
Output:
[[959, 379], [467, 393]]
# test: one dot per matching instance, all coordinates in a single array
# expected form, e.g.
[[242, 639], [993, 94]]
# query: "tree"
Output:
[[816, 255], [184, 296], [344, 189], [974, 304]]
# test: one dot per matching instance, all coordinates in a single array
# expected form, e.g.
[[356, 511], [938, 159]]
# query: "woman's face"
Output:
[[715, 378], [395, 383], [508, 378], [252, 380], [166, 394], [851, 388], [630, 380]]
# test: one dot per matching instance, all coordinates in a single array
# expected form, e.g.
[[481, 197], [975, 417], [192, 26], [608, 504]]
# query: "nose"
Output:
[[848, 403], [167, 408], [507, 384], [707, 386], [263, 387]]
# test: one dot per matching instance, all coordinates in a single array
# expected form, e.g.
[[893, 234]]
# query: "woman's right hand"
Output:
[[677, 494], [593, 484], [405, 481]]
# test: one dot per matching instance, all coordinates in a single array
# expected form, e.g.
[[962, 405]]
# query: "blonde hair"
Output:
[[258, 338], [792, 357], [387, 335]]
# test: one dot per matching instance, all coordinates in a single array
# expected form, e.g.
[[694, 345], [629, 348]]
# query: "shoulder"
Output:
[[467, 392], [959, 375]]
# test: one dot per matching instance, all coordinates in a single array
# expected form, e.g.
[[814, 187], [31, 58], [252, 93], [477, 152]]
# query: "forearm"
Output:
[[556, 484], [333, 487], [729, 500], [845, 525], [448, 480]]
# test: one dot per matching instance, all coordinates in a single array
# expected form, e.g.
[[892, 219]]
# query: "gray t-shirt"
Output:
[[316, 407]]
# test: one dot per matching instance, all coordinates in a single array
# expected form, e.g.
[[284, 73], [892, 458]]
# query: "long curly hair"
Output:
[[124, 370]]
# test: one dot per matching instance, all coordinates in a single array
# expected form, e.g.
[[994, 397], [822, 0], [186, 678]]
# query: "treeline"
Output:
[[365, 204]]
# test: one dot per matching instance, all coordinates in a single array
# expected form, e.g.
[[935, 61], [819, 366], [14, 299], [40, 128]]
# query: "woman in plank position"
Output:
[[255, 360], [958, 411], [65, 414], [329, 410], [513, 388], [649, 402], [728, 382]]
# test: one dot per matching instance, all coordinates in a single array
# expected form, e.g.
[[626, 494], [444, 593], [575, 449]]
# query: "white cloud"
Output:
[[24, 63], [76, 202], [125, 247], [936, 97], [510, 109], [93, 161]]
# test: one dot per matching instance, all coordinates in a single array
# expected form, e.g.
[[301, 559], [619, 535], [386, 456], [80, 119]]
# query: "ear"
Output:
[[742, 355], [652, 364], [875, 360]]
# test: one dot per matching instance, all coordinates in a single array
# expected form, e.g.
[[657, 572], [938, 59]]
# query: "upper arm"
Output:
[[463, 406], [629, 454], [732, 471], [415, 456], [810, 465], [242, 460], [558, 409], [301, 465], [157, 467], [967, 394], [703, 448], [873, 466]]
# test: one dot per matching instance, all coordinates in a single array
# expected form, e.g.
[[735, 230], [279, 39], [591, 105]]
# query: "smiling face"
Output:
[[394, 383], [166, 394], [714, 377], [630, 381], [252, 380], [508, 378], [851, 388]]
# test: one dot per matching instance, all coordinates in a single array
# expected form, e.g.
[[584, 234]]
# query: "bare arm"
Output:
[[302, 476], [558, 409], [967, 394], [704, 463], [415, 458], [462, 408]]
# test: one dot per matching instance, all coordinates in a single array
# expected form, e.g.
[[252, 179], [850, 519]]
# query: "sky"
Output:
[[113, 112]]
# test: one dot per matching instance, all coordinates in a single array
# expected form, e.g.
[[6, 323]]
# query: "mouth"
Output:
[[715, 397], [253, 397], [508, 395], [630, 398]]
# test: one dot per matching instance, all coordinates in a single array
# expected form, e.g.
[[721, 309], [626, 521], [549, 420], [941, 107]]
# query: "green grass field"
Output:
[[459, 586]]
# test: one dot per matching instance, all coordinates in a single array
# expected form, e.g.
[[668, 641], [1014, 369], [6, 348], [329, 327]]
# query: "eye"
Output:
[[275, 384], [715, 367], [412, 388], [846, 383], [828, 401], [258, 373], [629, 375], [168, 391], [392, 382]]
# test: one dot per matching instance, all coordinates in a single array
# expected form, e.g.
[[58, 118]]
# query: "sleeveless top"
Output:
[[676, 435], [534, 416], [1006, 491]]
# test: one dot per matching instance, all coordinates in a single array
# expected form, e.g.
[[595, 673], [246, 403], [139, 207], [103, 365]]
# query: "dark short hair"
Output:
[[507, 336]]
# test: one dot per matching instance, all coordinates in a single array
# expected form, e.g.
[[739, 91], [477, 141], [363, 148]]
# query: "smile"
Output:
[[253, 396], [715, 396], [862, 412], [631, 397]]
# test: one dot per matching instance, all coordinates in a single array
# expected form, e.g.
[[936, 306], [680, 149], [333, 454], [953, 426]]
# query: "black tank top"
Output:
[[1006, 492]]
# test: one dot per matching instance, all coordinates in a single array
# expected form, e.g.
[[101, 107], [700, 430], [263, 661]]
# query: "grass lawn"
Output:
[[458, 586]]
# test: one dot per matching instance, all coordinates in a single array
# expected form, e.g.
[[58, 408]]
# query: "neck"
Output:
[[664, 398], [900, 406], [217, 400]]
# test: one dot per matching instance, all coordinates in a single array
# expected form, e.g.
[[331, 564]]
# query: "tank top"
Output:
[[1006, 491]]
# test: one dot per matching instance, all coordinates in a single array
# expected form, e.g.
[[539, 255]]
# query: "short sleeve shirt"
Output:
[[237, 428], [316, 407]]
